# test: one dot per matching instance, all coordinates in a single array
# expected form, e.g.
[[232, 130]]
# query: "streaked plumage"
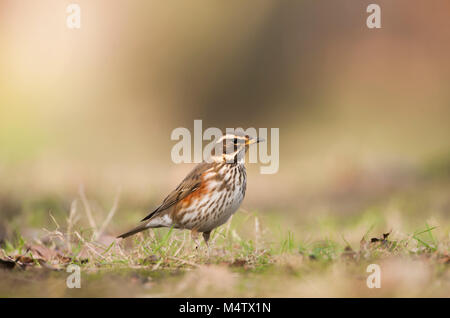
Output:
[[208, 195]]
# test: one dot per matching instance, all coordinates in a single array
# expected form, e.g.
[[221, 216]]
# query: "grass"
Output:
[[255, 254]]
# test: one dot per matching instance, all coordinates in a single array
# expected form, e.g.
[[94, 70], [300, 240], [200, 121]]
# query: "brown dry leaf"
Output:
[[35, 254], [151, 259], [7, 263], [40, 251], [47, 254], [238, 262], [24, 260]]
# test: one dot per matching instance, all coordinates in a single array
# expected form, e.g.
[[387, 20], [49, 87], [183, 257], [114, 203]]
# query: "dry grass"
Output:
[[165, 263], [255, 254]]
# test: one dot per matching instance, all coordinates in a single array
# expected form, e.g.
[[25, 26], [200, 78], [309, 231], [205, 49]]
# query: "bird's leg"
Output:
[[194, 235], [206, 238]]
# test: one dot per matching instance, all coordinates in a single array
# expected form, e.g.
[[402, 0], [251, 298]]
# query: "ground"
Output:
[[312, 252]]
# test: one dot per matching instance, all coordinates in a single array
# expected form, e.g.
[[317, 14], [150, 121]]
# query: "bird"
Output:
[[209, 195]]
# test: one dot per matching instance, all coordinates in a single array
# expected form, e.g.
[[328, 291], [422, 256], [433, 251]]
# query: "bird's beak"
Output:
[[254, 141]]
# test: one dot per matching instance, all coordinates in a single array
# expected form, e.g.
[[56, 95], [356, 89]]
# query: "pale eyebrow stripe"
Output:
[[228, 136]]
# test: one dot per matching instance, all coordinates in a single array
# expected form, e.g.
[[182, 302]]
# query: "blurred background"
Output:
[[363, 113]]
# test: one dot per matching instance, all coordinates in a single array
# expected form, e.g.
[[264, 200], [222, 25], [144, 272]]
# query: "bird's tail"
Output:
[[137, 229]]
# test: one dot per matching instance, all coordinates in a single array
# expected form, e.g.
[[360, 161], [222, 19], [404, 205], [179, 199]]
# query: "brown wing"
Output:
[[189, 185]]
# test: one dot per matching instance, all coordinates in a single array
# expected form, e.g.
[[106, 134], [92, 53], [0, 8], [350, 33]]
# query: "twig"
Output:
[[70, 222], [183, 261], [257, 233], [110, 215], [54, 233], [56, 223], [87, 208], [181, 246], [88, 245], [156, 266], [228, 226]]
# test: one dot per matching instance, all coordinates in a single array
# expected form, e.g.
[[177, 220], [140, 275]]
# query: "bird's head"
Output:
[[235, 145]]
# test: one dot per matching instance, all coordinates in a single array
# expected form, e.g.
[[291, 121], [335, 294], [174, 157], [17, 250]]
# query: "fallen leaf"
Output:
[[239, 262], [152, 259], [24, 260], [47, 254], [7, 263], [46, 265]]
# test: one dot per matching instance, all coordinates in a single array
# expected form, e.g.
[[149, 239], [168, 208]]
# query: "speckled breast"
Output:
[[224, 197]]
